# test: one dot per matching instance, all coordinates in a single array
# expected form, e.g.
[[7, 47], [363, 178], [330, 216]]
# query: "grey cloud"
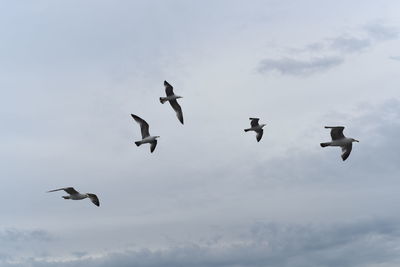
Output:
[[268, 244], [79, 254], [14, 242], [343, 44], [315, 46], [15, 235], [290, 66], [395, 58], [349, 44], [381, 32]]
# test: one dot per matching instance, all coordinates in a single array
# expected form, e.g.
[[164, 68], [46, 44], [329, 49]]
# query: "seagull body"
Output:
[[75, 195], [258, 128], [146, 137], [338, 139], [171, 97]]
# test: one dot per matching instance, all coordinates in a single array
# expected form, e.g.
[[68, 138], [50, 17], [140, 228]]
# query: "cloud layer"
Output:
[[362, 243]]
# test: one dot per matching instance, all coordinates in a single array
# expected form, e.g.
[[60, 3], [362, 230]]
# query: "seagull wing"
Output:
[[259, 135], [144, 127], [336, 132], [69, 190], [94, 199], [254, 122], [346, 151], [153, 146], [178, 109], [169, 90]]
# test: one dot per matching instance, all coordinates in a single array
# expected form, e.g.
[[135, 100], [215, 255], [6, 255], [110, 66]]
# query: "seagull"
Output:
[[146, 137], [171, 97], [338, 139], [258, 128], [75, 195]]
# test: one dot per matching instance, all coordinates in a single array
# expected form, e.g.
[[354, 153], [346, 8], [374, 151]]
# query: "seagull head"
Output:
[[156, 136], [178, 96], [262, 125], [354, 140]]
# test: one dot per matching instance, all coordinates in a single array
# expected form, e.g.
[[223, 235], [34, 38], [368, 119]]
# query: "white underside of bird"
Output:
[[76, 197], [341, 142], [169, 98], [149, 139]]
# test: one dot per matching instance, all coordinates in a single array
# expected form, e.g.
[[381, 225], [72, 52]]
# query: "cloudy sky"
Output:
[[72, 72]]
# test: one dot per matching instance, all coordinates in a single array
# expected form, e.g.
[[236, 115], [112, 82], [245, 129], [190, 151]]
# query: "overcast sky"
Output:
[[72, 72]]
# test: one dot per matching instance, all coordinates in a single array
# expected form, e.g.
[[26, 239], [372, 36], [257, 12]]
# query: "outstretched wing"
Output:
[[153, 146], [346, 150], [144, 127], [336, 132], [259, 135], [178, 109], [94, 199], [69, 190], [169, 90], [254, 122]]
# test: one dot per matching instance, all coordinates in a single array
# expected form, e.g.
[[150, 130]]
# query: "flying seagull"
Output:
[[258, 128], [171, 97], [75, 195], [146, 137], [338, 139]]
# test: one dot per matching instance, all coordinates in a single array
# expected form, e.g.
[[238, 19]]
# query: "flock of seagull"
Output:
[[338, 139]]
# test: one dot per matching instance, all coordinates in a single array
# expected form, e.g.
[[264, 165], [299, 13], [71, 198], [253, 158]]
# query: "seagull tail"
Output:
[[162, 100], [138, 143], [324, 144]]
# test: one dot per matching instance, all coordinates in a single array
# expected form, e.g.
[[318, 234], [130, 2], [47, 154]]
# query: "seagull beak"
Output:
[[357, 141]]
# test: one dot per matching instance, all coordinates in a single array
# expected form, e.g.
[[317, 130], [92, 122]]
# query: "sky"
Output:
[[72, 72]]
